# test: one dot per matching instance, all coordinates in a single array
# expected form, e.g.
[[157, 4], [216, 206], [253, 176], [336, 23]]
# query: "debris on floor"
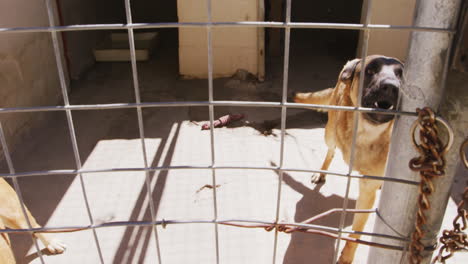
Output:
[[243, 75], [266, 128], [223, 121], [207, 186]]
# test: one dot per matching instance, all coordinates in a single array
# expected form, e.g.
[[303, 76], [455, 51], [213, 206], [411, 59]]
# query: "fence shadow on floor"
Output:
[[310, 248], [139, 237]]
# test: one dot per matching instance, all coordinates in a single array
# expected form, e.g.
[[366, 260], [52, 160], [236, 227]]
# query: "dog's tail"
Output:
[[321, 97]]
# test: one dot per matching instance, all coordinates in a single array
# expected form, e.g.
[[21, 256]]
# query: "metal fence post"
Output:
[[425, 72]]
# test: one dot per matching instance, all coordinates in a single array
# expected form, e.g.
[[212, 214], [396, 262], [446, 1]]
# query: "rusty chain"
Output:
[[456, 239], [430, 164]]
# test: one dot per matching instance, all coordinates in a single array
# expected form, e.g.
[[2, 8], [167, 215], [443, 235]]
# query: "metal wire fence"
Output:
[[130, 26]]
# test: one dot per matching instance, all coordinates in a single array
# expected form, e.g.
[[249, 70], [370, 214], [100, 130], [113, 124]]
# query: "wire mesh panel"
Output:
[[153, 221]]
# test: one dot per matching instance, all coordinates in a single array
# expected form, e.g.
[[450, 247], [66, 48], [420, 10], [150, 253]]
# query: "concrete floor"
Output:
[[110, 139]]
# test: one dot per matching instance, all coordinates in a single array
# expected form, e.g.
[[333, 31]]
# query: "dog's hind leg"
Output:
[[13, 217], [366, 199]]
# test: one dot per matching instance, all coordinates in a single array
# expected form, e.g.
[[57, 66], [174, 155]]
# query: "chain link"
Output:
[[430, 164], [456, 239]]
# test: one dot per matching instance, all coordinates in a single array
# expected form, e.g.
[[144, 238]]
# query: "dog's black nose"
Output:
[[389, 91], [389, 88]]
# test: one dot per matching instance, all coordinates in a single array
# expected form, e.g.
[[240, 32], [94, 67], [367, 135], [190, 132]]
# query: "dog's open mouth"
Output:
[[384, 105], [380, 118]]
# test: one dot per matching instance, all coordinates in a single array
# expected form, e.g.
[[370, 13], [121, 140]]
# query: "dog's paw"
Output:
[[344, 260], [347, 254], [55, 246], [341, 261], [318, 178]]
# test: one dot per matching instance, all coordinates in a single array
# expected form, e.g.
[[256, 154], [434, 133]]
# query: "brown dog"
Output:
[[383, 79], [11, 215]]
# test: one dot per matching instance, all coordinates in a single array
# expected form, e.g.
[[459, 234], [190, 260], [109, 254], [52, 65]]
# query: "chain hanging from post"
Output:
[[456, 239], [430, 164]]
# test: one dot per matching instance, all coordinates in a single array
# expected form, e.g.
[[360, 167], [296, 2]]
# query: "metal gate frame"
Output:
[[54, 30]]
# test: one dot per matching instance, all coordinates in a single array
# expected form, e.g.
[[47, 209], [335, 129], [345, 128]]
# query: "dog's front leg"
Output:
[[320, 177], [366, 199]]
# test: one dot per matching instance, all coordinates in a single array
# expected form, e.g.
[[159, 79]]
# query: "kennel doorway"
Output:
[[316, 55]]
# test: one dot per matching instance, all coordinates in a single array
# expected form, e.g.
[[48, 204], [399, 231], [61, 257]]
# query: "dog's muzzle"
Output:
[[385, 97]]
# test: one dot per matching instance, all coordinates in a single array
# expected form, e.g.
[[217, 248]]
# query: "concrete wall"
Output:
[[233, 48], [395, 12], [79, 45], [80, 51], [28, 75]]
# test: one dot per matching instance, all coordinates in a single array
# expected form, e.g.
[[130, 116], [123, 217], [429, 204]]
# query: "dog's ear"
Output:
[[348, 70]]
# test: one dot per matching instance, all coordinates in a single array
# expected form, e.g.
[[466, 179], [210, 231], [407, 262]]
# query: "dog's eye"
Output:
[[370, 72], [398, 72]]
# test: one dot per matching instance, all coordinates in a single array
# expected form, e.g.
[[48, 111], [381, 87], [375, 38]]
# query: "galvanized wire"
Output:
[[141, 128], [202, 103], [63, 85], [164, 223], [364, 50], [284, 95], [166, 168], [211, 103], [211, 116], [257, 24]]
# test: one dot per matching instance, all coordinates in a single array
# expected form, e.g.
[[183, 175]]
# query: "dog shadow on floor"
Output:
[[311, 248]]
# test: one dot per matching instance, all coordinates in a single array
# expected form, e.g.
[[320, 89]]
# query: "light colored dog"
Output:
[[11, 216], [382, 82]]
